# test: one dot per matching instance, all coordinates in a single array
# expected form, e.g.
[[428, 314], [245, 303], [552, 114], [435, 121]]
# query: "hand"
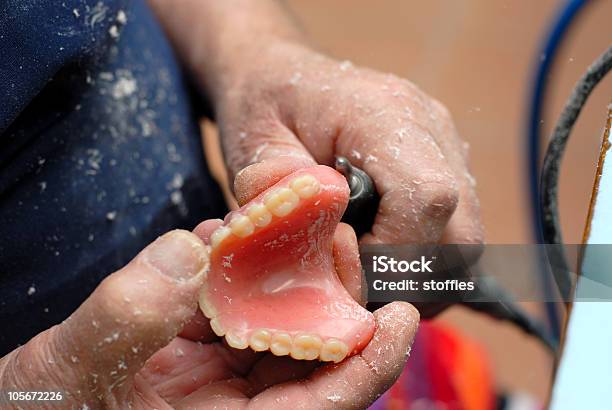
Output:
[[281, 106], [292, 107], [121, 348]]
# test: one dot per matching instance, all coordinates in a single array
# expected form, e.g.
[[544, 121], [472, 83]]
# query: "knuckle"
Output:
[[475, 236], [439, 198], [112, 303], [471, 233], [110, 291]]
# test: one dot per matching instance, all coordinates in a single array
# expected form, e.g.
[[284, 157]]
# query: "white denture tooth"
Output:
[[306, 347], [216, 327], [219, 235], [259, 215], [281, 202], [305, 186], [260, 340], [280, 344], [241, 226], [235, 341], [333, 351], [206, 307]]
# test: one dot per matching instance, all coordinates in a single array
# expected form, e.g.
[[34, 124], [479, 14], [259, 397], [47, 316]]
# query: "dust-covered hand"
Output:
[[281, 105], [295, 107], [137, 342]]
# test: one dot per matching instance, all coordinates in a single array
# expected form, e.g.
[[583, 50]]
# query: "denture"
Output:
[[272, 285]]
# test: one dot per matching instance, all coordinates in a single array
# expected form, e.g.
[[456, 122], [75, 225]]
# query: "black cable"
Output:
[[505, 308], [551, 228]]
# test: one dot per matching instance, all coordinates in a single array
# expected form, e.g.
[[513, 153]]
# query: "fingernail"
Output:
[[179, 255]]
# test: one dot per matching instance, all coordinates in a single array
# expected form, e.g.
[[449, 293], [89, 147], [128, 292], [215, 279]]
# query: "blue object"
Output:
[[546, 58], [100, 152]]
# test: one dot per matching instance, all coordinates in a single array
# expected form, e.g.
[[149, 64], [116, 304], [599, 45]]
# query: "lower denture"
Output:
[[272, 283]]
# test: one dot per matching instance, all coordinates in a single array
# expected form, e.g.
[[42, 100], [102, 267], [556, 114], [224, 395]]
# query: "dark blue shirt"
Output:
[[100, 152]]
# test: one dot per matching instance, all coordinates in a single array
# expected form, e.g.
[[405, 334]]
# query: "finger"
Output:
[[370, 373], [253, 150], [263, 138], [347, 262], [256, 178], [285, 369], [198, 327], [465, 225], [226, 394], [417, 187], [135, 311], [182, 367], [206, 228]]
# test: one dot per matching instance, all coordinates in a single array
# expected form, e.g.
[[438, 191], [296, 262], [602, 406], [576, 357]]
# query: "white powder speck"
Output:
[[177, 181], [258, 152], [31, 290], [371, 158], [121, 17], [110, 216], [227, 263], [295, 78], [345, 65], [113, 31], [124, 87], [176, 197], [106, 76], [401, 133], [97, 14], [395, 151], [334, 397]]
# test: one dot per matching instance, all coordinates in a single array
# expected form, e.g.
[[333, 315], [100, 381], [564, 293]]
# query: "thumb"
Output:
[[260, 154], [132, 313], [256, 178]]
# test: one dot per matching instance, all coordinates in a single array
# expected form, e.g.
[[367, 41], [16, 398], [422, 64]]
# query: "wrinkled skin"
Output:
[[313, 108], [121, 346], [282, 105]]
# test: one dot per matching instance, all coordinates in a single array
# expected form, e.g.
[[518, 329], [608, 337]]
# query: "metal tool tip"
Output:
[[344, 167]]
